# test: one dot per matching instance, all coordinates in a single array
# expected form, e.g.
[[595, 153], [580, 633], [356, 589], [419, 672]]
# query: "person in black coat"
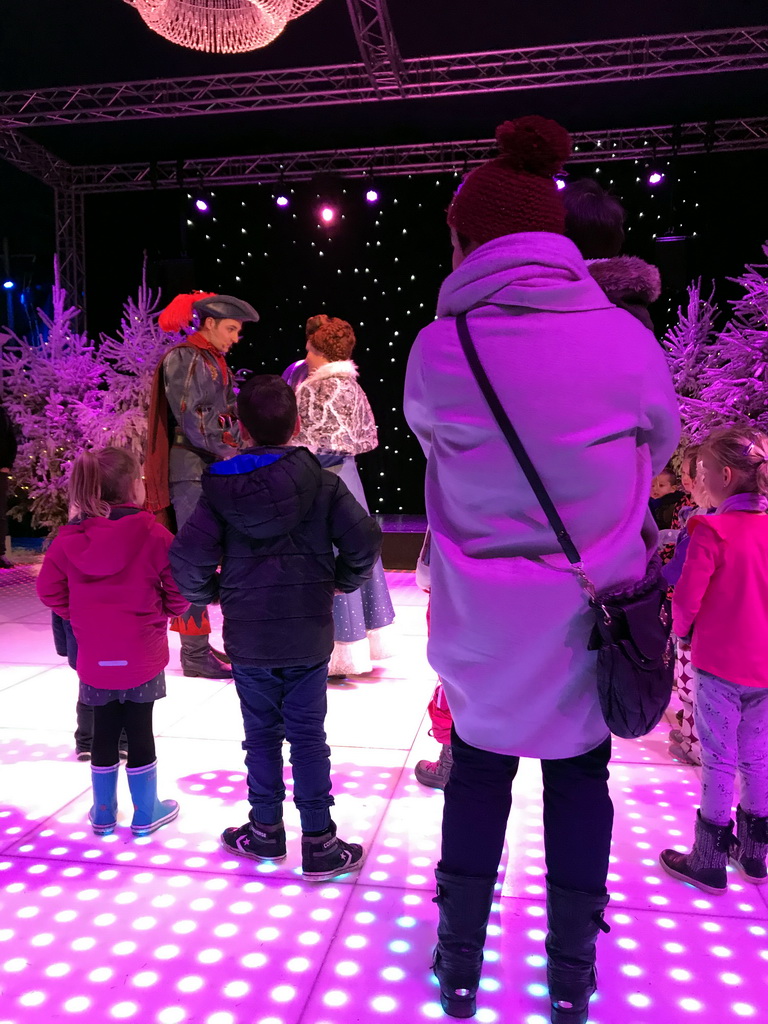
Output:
[[288, 535], [8, 449]]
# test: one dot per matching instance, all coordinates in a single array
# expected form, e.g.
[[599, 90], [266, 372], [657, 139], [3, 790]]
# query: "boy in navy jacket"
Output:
[[287, 535]]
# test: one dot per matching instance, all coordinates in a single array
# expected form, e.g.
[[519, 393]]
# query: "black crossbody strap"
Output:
[[509, 432]]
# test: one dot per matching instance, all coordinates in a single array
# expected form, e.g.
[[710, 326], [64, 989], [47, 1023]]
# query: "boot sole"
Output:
[[147, 830], [692, 881], [430, 781], [253, 856], [748, 878], [560, 1015], [455, 1006], [103, 830], [324, 876]]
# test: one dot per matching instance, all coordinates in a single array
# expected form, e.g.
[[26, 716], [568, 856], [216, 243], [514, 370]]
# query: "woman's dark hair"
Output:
[[266, 406], [594, 219]]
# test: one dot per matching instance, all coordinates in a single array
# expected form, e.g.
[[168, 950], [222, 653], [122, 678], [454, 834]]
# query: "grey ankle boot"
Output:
[[705, 865], [750, 847], [435, 774], [574, 920]]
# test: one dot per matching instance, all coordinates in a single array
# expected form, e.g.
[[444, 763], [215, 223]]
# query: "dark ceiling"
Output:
[[68, 42]]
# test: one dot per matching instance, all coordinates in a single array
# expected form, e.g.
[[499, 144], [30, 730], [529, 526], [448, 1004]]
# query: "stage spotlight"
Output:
[[327, 214], [655, 177], [372, 195], [8, 285], [281, 199], [202, 205], [560, 184]]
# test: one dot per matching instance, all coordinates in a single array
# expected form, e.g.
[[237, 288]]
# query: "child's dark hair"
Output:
[[101, 479], [670, 471], [594, 219], [266, 406], [745, 452]]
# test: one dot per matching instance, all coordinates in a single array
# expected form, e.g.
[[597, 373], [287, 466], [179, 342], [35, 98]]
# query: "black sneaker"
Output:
[[326, 856], [258, 842], [83, 755]]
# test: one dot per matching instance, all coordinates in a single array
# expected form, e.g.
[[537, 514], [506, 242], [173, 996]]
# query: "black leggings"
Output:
[[578, 815], [109, 720]]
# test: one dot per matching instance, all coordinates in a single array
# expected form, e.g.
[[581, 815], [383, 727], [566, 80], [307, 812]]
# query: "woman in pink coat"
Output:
[[720, 605], [108, 573], [587, 388]]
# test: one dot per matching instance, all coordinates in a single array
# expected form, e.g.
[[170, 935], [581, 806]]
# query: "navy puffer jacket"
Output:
[[286, 534]]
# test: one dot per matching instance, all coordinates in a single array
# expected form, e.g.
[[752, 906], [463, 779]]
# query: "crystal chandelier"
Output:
[[220, 26]]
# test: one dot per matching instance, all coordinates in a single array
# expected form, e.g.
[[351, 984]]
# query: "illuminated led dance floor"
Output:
[[172, 929]]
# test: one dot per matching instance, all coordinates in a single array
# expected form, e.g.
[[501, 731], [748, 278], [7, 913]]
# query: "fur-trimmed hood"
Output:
[[341, 368], [627, 274]]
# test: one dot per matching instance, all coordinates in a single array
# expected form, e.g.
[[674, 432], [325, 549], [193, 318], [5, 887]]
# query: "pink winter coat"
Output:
[[111, 578], [722, 595]]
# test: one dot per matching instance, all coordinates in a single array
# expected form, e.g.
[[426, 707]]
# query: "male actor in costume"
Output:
[[192, 423]]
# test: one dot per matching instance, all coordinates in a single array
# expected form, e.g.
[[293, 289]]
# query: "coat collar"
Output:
[[341, 368]]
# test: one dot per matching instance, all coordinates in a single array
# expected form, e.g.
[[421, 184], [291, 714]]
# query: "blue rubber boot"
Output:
[[149, 813], [103, 814]]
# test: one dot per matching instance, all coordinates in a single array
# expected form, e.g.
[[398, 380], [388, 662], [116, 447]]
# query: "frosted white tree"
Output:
[[44, 388], [721, 376], [119, 415], [71, 394]]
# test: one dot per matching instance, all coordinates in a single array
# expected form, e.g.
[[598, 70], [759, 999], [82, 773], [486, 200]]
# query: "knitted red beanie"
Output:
[[515, 191]]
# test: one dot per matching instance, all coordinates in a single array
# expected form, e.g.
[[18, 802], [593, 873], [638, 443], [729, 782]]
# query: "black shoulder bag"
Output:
[[632, 627]]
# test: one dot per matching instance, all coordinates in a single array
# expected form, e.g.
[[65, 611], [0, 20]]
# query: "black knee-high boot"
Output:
[[464, 905], [573, 920]]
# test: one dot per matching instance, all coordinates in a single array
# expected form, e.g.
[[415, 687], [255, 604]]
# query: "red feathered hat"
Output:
[[178, 312]]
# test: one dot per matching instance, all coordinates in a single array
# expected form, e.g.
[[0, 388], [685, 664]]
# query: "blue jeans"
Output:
[[286, 704]]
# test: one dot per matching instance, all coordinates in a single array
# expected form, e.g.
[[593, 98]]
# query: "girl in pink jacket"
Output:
[[107, 572], [721, 604]]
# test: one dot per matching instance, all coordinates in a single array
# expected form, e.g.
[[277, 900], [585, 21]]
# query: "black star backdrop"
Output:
[[380, 265]]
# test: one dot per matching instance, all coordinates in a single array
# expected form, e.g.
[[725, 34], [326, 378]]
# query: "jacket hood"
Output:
[[627, 278], [534, 269], [104, 547], [264, 492]]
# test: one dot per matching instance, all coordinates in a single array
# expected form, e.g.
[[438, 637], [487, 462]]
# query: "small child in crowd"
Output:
[[288, 535], [720, 604], [107, 573], [684, 742], [666, 498]]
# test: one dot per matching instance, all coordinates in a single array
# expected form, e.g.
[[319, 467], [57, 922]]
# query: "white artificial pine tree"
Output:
[[45, 388], [721, 377], [69, 395], [119, 416]]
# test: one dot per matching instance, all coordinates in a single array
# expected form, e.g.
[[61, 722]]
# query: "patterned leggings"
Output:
[[732, 723]]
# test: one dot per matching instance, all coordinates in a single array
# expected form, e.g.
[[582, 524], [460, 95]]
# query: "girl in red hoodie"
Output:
[[721, 604], [108, 573]]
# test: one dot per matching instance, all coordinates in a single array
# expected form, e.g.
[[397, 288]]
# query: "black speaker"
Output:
[[672, 258]]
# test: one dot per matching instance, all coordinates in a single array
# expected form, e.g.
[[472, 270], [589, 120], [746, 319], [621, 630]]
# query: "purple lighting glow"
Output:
[[372, 196], [559, 183], [201, 205], [327, 215], [655, 178], [282, 200]]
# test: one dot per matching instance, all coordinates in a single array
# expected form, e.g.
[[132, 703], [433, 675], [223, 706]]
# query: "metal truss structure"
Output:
[[590, 63], [427, 158], [70, 243], [34, 159], [377, 44]]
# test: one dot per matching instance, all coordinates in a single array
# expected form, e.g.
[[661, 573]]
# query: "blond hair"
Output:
[[745, 452], [101, 479]]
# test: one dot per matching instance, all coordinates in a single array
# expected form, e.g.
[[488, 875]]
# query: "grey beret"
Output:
[[225, 307]]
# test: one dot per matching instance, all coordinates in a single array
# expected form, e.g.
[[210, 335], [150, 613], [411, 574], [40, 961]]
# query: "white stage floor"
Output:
[[172, 929]]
